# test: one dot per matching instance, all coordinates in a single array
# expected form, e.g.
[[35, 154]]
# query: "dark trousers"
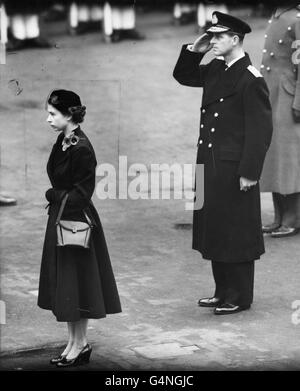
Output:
[[234, 282]]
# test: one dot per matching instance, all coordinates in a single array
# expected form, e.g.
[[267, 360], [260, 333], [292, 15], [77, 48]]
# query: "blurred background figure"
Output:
[[7, 201], [184, 11], [204, 12], [280, 67], [23, 23], [120, 21], [85, 16]]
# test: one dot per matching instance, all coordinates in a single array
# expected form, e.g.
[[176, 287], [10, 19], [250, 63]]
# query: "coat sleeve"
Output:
[[258, 129], [296, 102], [187, 70], [83, 165]]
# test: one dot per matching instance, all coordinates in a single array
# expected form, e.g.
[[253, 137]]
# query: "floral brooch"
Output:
[[72, 139]]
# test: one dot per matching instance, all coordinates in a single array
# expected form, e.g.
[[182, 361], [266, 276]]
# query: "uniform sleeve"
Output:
[[83, 165], [296, 102], [187, 70], [258, 129]]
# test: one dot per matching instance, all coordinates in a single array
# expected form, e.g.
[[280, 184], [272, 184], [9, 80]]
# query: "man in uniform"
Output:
[[120, 21], [281, 70], [85, 16], [24, 26], [235, 133]]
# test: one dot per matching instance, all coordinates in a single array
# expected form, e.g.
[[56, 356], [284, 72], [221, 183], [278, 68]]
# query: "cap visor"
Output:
[[217, 29]]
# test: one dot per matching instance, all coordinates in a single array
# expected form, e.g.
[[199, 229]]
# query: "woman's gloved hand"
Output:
[[54, 196]]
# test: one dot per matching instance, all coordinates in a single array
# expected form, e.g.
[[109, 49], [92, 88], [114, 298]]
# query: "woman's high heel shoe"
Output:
[[82, 358]]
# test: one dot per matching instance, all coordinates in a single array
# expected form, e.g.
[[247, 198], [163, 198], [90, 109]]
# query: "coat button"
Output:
[[272, 54], [216, 115], [266, 35], [270, 21], [265, 51], [289, 28], [200, 141], [268, 69], [202, 126], [209, 145], [280, 41], [212, 130], [262, 66], [203, 111], [222, 100]]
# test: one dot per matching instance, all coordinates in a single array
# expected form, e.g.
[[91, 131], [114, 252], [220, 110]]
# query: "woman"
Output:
[[77, 284]]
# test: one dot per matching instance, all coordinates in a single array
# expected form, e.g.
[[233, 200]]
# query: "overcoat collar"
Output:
[[63, 157], [224, 82]]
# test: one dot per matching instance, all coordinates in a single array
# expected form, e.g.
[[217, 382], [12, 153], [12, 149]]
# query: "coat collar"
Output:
[[224, 82], [52, 163]]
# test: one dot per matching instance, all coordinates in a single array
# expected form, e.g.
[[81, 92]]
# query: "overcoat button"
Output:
[[289, 28], [202, 126], [270, 20], [280, 41], [216, 115], [266, 35], [203, 111], [265, 51], [272, 54], [268, 69], [209, 145], [262, 66], [221, 100], [200, 141], [213, 129]]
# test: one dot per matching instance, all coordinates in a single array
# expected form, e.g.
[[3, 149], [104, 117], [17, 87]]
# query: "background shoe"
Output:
[[227, 309], [269, 228], [284, 231], [209, 302], [7, 201]]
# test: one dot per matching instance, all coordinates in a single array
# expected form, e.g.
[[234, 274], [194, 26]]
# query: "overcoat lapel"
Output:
[[225, 83]]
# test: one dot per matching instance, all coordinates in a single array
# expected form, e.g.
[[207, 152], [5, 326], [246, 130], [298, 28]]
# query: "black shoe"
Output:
[[58, 359], [82, 358], [7, 201], [39, 42], [132, 34], [269, 228], [209, 302], [283, 232], [227, 309]]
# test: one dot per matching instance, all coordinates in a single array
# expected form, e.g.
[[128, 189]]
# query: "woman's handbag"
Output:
[[72, 233]]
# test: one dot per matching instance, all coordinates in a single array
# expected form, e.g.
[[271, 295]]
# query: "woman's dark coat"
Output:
[[75, 282], [235, 133]]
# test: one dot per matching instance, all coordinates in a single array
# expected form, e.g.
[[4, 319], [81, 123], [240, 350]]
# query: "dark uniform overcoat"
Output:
[[75, 283], [281, 70], [235, 133]]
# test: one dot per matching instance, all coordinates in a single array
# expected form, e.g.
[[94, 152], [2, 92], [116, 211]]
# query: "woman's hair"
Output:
[[68, 103]]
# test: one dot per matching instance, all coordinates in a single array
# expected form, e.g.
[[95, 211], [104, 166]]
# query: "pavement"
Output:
[[134, 109]]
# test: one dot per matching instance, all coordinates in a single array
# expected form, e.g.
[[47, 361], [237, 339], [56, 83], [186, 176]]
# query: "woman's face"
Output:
[[56, 119]]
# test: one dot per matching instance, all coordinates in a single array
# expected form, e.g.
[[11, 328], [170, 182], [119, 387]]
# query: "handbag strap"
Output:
[[62, 207]]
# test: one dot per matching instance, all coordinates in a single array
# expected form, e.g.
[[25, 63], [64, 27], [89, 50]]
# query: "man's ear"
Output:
[[236, 40]]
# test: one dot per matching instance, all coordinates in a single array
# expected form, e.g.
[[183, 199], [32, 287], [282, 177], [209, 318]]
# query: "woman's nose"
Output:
[[48, 119]]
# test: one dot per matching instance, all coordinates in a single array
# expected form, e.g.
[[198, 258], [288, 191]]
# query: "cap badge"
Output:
[[214, 19]]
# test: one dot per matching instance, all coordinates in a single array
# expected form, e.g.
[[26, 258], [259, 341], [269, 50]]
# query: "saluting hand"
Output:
[[246, 184], [202, 44]]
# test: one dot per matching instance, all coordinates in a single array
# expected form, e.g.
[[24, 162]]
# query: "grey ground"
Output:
[[135, 108]]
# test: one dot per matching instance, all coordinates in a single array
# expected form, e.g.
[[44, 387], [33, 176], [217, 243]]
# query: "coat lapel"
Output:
[[224, 82]]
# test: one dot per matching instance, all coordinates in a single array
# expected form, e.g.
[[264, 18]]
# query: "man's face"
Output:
[[223, 44]]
